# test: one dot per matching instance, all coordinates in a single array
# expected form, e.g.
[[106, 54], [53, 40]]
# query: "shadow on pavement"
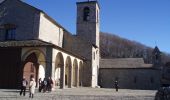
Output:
[[13, 91]]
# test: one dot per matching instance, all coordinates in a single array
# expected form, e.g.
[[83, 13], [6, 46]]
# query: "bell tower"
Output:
[[156, 57], [88, 31], [88, 21]]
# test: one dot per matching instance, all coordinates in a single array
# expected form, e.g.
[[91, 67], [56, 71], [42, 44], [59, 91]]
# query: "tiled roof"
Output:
[[124, 63], [36, 43], [25, 43]]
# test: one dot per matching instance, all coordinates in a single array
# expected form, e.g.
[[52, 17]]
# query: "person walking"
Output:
[[116, 85], [32, 87], [23, 86]]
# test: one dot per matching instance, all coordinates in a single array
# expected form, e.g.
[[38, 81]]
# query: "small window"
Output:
[[86, 14], [94, 55], [10, 34], [96, 51]]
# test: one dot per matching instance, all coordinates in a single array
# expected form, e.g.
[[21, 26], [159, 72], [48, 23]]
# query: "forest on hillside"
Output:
[[113, 46]]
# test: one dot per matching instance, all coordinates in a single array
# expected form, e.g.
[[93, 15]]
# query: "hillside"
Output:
[[113, 46]]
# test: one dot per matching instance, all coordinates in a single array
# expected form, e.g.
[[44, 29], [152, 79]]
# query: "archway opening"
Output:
[[30, 68], [34, 65], [59, 71]]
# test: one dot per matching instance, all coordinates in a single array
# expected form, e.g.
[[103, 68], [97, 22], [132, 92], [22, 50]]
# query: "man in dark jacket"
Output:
[[23, 86]]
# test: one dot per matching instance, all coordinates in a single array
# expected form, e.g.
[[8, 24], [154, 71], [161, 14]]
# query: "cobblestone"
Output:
[[82, 94]]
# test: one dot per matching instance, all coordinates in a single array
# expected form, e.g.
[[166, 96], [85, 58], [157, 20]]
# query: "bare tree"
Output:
[[113, 46]]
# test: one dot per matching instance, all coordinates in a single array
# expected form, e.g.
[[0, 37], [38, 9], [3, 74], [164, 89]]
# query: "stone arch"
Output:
[[59, 70], [36, 51], [34, 65], [75, 73], [30, 68], [80, 73], [68, 71]]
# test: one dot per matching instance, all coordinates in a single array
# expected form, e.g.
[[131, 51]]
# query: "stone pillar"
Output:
[[48, 71], [77, 77], [53, 70], [62, 77], [70, 77]]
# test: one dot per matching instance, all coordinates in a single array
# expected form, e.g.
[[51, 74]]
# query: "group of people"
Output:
[[32, 86], [45, 85]]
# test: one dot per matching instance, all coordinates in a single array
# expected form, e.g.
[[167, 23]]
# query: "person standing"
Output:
[[23, 86], [49, 84], [40, 82], [32, 87], [44, 85]]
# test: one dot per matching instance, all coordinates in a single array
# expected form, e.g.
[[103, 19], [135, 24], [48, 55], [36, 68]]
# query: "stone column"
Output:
[[48, 57], [77, 76], [62, 77], [70, 77]]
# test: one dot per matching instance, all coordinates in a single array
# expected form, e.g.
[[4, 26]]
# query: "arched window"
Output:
[[86, 14]]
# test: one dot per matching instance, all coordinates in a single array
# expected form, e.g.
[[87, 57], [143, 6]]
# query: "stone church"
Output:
[[34, 44]]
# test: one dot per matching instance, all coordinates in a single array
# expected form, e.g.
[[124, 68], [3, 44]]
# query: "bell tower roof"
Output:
[[89, 2]]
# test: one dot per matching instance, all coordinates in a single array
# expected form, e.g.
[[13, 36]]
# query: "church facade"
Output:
[[33, 44]]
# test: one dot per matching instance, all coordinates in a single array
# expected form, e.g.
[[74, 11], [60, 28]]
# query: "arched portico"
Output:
[[65, 69], [33, 65], [59, 70]]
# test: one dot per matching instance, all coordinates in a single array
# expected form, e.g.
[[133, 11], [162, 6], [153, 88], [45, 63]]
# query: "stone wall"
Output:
[[84, 49], [130, 78], [50, 32], [13, 12], [88, 30]]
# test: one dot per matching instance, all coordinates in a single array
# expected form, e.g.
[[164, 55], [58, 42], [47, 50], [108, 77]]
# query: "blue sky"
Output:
[[145, 21]]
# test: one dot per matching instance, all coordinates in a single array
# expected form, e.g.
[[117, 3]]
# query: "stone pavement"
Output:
[[82, 94]]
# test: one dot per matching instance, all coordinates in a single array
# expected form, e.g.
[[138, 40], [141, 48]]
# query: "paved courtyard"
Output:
[[82, 94]]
